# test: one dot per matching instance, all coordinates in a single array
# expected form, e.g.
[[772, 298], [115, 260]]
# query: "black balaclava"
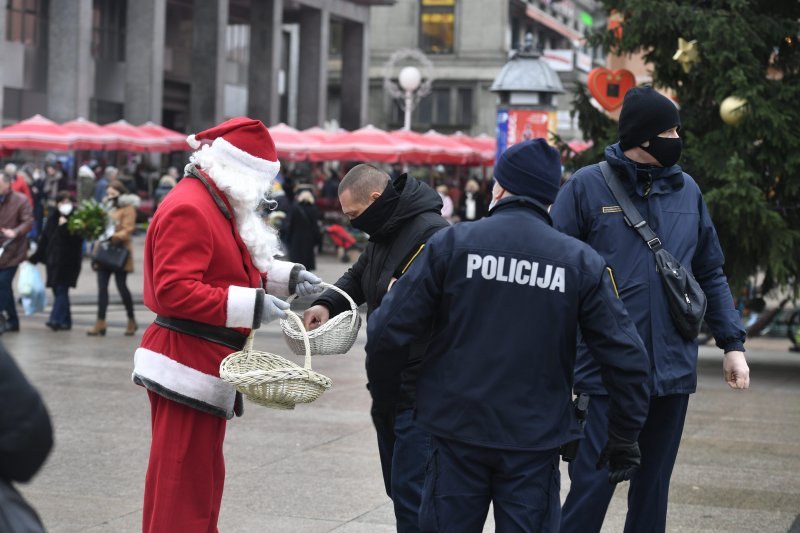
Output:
[[378, 212], [646, 113]]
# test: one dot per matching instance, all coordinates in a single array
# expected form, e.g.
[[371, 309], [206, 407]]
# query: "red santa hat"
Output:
[[242, 143]]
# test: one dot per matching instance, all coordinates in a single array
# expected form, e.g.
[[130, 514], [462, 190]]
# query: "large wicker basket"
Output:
[[336, 336], [270, 380]]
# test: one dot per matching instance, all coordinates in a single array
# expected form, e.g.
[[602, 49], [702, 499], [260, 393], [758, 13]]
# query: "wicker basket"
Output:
[[336, 336], [270, 380]]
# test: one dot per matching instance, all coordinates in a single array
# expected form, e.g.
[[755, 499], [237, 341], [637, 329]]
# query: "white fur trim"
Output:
[[236, 157], [278, 278], [241, 307], [183, 380], [192, 141]]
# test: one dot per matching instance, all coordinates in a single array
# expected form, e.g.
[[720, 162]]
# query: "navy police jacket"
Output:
[[500, 301], [673, 205]]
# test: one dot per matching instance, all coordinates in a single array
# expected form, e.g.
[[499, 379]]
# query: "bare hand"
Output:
[[10, 233], [315, 316], [735, 370]]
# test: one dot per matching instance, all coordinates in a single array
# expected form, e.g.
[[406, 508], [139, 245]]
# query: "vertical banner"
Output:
[[502, 132], [526, 124]]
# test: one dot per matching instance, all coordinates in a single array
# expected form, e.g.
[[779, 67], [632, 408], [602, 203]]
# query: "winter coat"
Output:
[[501, 300], [197, 268], [673, 205], [123, 217], [389, 252], [480, 206], [60, 251], [26, 435], [303, 234], [15, 214]]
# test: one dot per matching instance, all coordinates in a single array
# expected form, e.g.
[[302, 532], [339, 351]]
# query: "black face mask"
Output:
[[666, 150], [378, 213]]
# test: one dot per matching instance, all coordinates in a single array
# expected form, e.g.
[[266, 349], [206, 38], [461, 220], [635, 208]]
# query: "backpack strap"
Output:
[[632, 216]]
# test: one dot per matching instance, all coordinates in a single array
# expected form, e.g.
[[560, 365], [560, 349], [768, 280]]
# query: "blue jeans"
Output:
[[60, 315], [590, 492], [411, 450], [462, 480], [7, 303]]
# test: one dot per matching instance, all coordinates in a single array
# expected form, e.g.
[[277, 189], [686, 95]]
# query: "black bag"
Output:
[[109, 256], [16, 515], [687, 301]]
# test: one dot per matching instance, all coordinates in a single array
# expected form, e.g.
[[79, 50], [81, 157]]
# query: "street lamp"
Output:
[[409, 79]]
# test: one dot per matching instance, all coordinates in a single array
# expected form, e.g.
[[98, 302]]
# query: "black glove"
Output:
[[622, 456]]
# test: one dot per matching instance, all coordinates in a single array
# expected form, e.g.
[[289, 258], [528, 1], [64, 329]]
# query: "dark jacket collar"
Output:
[[526, 202], [640, 178]]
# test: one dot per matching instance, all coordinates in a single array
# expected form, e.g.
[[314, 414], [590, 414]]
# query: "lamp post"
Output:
[[409, 79]]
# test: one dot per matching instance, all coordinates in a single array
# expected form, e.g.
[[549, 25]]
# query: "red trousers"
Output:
[[186, 472]]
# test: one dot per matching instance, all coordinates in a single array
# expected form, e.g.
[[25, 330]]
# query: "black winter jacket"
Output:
[[390, 251], [26, 435], [60, 251]]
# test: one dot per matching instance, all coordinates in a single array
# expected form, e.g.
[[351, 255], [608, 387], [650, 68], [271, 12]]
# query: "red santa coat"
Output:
[[197, 268]]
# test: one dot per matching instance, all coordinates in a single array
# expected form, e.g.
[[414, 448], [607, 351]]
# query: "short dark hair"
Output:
[[63, 196], [362, 180], [118, 186]]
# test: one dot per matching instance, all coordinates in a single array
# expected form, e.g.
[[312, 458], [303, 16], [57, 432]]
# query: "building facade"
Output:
[[186, 64], [468, 42]]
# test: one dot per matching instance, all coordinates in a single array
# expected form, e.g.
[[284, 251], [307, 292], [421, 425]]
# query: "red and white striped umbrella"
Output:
[[89, 136], [36, 133], [484, 146], [365, 144], [291, 144], [130, 138], [175, 141]]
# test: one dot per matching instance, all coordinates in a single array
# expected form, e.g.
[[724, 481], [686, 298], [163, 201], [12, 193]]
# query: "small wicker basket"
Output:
[[270, 380], [336, 336]]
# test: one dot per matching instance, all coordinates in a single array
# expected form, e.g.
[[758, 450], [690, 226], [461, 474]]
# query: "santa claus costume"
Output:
[[208, 261]]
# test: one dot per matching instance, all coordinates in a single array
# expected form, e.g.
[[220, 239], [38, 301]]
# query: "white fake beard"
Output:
[[245, 191]]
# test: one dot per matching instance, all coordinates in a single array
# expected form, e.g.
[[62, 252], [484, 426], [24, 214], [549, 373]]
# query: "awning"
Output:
[[549, 21]]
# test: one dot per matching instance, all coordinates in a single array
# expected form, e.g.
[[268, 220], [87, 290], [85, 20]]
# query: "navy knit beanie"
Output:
[[645, 113], [530, 168]]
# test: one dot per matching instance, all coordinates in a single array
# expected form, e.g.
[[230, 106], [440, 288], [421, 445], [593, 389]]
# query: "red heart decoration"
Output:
[[609, 87]]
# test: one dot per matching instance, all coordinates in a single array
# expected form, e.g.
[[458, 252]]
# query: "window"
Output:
[[26, 19], [464, 103], [437, 26], [108, 30]]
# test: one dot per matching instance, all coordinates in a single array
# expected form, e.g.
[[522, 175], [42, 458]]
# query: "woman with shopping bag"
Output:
[[61, 253]]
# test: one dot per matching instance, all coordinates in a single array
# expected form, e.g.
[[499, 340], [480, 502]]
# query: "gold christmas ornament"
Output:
[[687, 54], [732, 110]]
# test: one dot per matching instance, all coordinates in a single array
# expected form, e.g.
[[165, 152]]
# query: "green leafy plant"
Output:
[[89, 220]]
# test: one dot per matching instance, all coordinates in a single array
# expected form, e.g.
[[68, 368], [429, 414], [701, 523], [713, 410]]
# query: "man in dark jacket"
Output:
[[501, 300], [16, 220], [26, 435], [399, 217], [670, 201]]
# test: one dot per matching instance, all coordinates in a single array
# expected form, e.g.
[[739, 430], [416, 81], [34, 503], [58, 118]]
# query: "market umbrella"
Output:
[[131, 139], [579, 146], [485, 147], [175, 141], [421, 152], [89, 136], [365, 144], [36, 133], [291, 144], [449, 151], [321, 135]]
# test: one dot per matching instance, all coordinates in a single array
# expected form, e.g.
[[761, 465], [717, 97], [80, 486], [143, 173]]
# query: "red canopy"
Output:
[[175, 141], [132, 139], [320, 134], [36, 133], [422, 152], [366, 144], [89, 136], [291, 144], [579, 146], [484, 146], [450, 151]]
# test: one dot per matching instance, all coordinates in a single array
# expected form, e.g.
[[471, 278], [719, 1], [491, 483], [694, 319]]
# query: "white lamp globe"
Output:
[[410, 78]]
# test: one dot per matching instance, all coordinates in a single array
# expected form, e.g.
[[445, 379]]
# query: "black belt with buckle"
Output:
[[217, 334]]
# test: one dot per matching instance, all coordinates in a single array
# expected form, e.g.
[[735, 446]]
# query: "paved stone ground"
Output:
[[316, 469]]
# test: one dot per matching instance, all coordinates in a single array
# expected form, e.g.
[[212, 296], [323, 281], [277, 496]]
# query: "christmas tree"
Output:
[[748, 167]]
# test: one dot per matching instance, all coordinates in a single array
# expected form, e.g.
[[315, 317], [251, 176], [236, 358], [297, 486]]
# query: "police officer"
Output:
[[399, 215], [645, 160], [500, 300]]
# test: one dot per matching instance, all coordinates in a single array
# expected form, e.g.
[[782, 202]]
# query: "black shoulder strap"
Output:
[[632, 216]]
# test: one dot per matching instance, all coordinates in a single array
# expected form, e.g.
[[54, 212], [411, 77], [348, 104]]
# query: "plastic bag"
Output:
[[31, 288]]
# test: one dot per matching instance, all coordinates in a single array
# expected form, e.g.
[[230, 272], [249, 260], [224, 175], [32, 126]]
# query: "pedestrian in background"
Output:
[[302, 230], [62, 254], [447, 202], [501, 301], [399, 215], [473, 203], [101, 187], [16, 220], [86, 184], [645, 161], [165, 185], [122, 223]]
